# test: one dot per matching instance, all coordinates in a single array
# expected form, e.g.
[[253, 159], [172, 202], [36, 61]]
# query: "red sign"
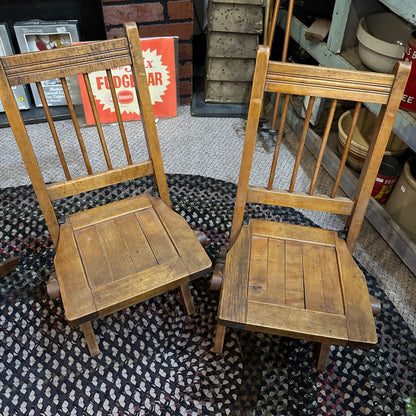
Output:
[[159, 60]]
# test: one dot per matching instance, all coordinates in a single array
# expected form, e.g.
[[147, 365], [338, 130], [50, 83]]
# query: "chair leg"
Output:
[[219, 339], [323, 356], [89, 335], [187, 298], [7, 266]]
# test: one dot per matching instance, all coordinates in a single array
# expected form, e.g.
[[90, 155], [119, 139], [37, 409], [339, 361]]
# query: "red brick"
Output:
[[185, 71], [185, 100], [183, 30], [185, 52], [117, 32], [140, 13], [185, 88], [181, 9]]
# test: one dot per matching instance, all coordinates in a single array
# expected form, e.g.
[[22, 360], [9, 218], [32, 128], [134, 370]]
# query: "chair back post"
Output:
[[146, 109], [19, 130], [376, 151], [255, 108]]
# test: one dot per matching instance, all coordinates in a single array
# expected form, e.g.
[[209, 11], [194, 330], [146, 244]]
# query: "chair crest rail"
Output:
[[72, 60], [323, 82]]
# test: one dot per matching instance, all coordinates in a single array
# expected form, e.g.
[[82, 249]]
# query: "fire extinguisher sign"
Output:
[[159, 60]]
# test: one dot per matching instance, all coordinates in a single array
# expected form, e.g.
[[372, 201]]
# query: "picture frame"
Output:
[[38, 35], [6, 48]]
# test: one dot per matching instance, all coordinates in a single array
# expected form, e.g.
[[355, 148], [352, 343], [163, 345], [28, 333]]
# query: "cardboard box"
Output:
[[160, 61]]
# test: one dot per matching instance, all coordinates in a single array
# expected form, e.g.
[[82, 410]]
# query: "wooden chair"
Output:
[[112, 256], [293, 280]]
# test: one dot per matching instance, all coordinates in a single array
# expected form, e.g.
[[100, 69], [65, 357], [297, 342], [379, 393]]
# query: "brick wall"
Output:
[[157, 18]]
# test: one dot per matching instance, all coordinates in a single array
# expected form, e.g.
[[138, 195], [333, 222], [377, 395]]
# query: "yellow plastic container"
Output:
[[362, 136]]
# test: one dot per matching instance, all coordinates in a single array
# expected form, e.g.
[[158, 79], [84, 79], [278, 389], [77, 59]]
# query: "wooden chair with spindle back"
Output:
[[293, 280], [115, 255]]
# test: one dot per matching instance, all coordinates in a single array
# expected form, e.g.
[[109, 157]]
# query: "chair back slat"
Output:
[[302, 143], [300, 200], [118, 115], [53, 130], [325, 137], [68, 64], [97, 121], [346, 148], [77, 128], [341, 87], [87, 183], [278, 140], [285, 47]]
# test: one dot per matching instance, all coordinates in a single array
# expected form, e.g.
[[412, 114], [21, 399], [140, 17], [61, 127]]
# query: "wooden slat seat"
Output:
[[115, 255], [297, 284], [130, 249], [293, 280]]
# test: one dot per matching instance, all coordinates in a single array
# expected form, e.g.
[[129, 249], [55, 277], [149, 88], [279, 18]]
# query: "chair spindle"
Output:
[[118, 114], [346, 149], [302, 143], [53, 130], [323, 145], [278, 140], [285, 47], [76, 126], [97, 121]]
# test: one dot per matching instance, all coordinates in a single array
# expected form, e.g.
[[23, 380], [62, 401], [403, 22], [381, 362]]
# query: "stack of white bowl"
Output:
[[382, 39]]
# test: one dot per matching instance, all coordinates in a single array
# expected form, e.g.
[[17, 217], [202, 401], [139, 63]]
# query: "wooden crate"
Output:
[[230, 69], [232, 45], [235, 17], [232, 40]]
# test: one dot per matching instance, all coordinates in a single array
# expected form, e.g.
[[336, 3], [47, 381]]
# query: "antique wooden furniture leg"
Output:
[[7, 266], [322, 356], [89, 335], [219, 339], [295, 280], [187, 298]]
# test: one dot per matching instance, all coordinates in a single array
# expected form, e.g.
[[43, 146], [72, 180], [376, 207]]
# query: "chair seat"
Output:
[[296, 281], [119, 254]]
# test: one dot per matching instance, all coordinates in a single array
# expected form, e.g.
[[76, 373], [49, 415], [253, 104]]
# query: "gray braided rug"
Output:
[[155, 359]]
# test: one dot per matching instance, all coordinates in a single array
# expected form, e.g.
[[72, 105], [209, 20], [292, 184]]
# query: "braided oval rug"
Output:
[[155, 359]]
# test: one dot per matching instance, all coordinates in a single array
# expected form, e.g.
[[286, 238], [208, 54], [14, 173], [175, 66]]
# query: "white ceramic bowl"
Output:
[[382, 39]]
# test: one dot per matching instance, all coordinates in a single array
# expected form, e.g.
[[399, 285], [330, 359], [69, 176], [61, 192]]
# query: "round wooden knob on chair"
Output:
[[52, 287]]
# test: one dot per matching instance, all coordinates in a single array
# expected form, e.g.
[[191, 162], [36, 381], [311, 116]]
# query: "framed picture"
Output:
[[6, 48], [40, 35]]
